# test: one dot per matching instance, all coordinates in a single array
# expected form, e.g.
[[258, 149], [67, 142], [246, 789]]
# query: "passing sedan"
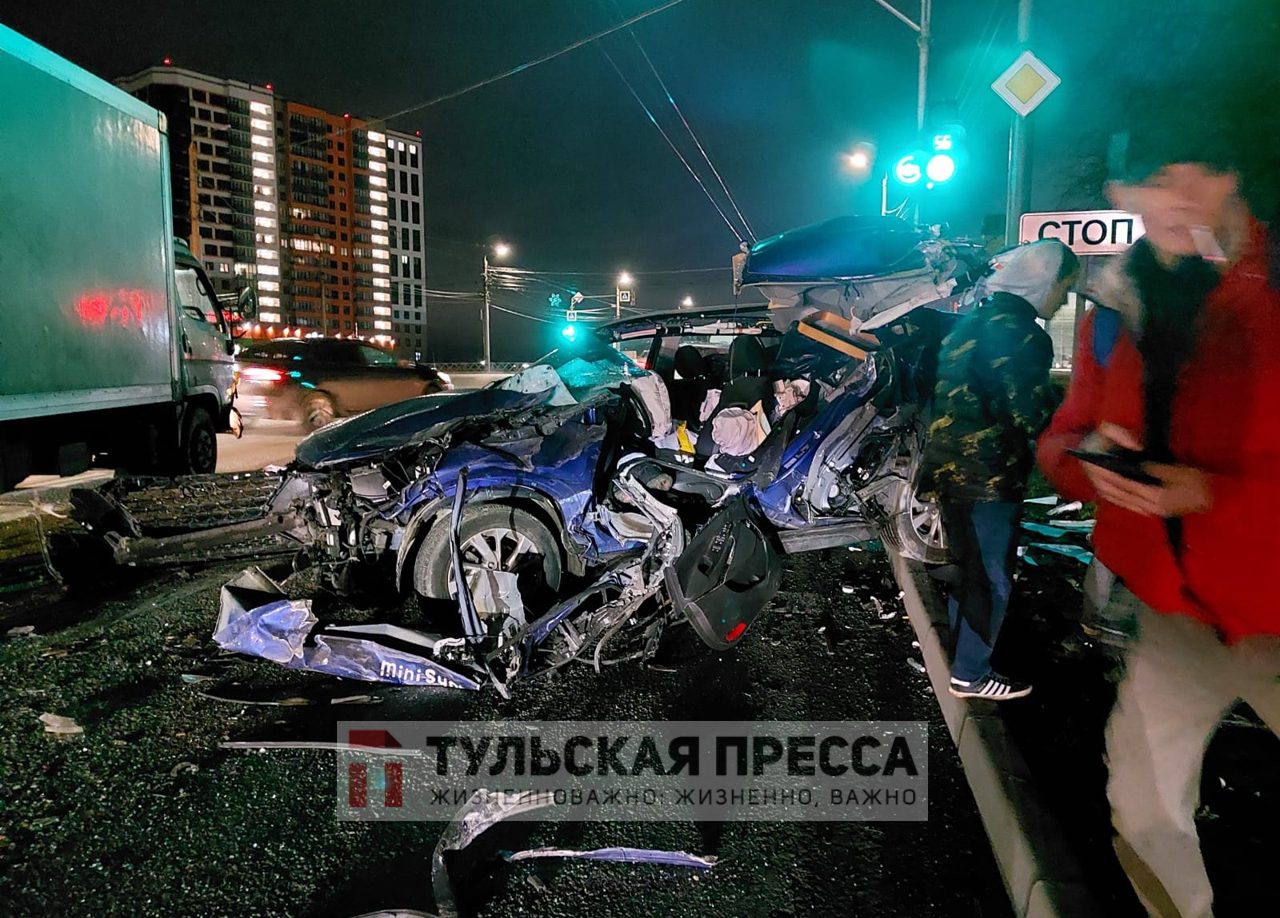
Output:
[[315, 380]]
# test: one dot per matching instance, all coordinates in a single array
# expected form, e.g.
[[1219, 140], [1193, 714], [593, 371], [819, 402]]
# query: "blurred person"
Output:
[[1181, 365], [993, 398]]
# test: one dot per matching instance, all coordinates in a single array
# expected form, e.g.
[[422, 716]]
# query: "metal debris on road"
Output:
[[482, 812], [316, 745], [292, 702], [916, 664], [622, 856], [256, 618], [63, 726]]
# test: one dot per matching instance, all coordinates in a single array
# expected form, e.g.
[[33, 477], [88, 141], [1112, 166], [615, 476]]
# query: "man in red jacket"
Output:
[[1189, 375]]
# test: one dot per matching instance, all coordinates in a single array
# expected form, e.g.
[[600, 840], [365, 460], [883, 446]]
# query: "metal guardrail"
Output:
[[480, 366]]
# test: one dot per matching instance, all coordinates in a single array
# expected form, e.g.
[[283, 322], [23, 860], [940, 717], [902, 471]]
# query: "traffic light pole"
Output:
[[923, 30], [1017, 193], [484, 315]]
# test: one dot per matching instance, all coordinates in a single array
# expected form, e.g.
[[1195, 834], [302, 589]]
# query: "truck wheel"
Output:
[[199, 443], [493, 536], [317, 411]]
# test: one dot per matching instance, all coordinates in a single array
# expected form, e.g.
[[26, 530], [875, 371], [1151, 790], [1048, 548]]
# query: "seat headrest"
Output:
[[690, 363], [747, 357]]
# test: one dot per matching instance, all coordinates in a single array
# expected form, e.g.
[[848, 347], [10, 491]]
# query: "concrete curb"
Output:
[[1041, 874]]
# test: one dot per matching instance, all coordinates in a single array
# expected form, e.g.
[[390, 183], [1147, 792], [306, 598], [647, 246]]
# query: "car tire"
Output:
[[317, 411], [916, 530], [512, 527], [198, 447]]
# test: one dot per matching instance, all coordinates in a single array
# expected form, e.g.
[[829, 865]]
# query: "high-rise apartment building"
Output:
[[298, 202], [223, 164], [335, 227], [405, 183]]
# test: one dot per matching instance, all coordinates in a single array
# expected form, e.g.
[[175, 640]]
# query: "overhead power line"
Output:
[[697, 178], [530, 64], [698, 143]]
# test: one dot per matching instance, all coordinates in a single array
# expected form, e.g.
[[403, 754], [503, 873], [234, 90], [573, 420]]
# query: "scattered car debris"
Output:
[[621, 855], [847, 589], [1066, 508], [256, 618], [1047, 501], [291, 702], [484, 810], [183, 768], [63, 726], [196, 678], [916, 664], [21, 631], [316, 745]]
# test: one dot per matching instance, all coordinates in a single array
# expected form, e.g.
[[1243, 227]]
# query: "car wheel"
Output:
[[917, 531], [496, 537], [199, 446], [317, 411]]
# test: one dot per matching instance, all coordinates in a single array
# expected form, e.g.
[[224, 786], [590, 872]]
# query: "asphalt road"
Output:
[[144, 814]]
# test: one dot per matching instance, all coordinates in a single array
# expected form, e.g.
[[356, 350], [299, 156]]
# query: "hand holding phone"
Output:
[[1125, 462]]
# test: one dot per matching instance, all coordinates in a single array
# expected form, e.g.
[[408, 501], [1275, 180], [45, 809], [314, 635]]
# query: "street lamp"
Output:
[[623, 293], [499, 250], [687, 302]]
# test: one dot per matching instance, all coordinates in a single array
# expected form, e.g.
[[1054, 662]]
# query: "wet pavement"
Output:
[[143, 813]]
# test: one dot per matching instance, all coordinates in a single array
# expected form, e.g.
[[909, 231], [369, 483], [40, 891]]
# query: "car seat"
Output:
[[690, 390]]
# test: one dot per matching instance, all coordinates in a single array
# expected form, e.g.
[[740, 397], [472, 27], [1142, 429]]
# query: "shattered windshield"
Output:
[[586, 365]]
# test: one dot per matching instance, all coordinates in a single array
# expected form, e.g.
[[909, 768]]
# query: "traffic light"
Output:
[[569, 330], [935, 162]]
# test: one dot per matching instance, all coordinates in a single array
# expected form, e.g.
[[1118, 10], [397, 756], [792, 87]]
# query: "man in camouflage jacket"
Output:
[[993, 398]]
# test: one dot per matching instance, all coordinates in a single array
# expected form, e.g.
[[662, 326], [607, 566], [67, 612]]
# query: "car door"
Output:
[[335, 367], [207, 362], [386, 380]]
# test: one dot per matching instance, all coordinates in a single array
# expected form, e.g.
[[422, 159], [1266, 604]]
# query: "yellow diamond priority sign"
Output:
[[1026, 83]]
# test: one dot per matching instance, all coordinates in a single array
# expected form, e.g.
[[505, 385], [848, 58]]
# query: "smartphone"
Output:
[[1125, 462]]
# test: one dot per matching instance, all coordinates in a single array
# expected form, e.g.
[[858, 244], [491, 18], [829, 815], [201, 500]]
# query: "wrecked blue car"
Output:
[[655, 471]]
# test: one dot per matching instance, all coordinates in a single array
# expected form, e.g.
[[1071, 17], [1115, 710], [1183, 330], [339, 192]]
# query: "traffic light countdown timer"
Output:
[[936, 163]]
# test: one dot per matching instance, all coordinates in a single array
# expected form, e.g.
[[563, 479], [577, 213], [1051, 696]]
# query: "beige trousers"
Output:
[[1180, 682]]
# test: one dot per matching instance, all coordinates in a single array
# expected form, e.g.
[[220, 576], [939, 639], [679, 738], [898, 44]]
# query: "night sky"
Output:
[[561, 161]]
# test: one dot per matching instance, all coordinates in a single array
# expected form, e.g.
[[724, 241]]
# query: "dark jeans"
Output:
[[983, 541]]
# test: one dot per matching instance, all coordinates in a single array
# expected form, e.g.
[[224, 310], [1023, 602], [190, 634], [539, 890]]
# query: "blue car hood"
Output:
[[404, 423]]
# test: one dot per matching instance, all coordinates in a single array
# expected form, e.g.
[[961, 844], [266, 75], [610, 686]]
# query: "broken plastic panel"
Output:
[[257, 619]]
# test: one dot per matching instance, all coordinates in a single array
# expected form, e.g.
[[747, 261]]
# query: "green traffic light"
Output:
[[570, 331], [940, 168]]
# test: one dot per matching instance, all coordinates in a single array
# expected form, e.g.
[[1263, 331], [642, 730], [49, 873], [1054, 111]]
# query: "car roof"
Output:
[[676, 321]]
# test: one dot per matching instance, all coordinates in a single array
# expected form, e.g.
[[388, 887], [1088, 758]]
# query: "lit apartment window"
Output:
[[261, 157], [259, 108]]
